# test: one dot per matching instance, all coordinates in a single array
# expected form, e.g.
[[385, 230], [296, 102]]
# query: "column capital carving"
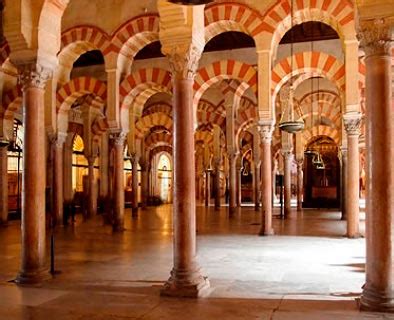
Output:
[[184, 61], [118, 138], [287, 153], [232, 155], [266, 129], [33, 75], [375, 36], [58, 140], [352, 123]]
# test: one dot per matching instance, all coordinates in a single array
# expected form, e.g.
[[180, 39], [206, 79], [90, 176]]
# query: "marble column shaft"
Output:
[[217, 184], [266, 180], [4, 184], [344, 164], [378, 294], [92, 199], [233, 182], [300, 183], [119, 197], [33, 261], [134, 182], [287, 161], [352, 125], [58, 183], [207, 187]]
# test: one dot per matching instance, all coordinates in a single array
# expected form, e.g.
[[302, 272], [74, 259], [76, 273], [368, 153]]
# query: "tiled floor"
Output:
[[308, 270]]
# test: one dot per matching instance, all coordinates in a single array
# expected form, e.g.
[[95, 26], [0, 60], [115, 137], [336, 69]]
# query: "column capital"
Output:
[[352, 123], [184, 61], [33, 75], [287, 153], [375, 36], [58, 140], [300, 162], [118, 138], [232, 155], [266, 128]]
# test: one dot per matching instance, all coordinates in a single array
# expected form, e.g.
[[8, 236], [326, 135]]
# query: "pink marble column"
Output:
[[134, 182], [144, 185], [119, 189], [378, 291], [239, 186], [287, 161], [33, 261], [266, 180], [256, 185], [343, 182], [207, 187], [217, 184], [3, 183], [186, 279], [233, 182], [92, 197], [300, 183], [352, 122], [58, 183]]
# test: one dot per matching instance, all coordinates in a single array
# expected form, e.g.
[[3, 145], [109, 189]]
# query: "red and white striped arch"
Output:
[[156, 139], [11, 104], [158, 107], [77, 41], [321, 130], [141, 80], [339, 14], [132, 36], [208, 113], [76, 88], [156, 119], [308, 62], [220, 70], [231, 16], [205, 136]]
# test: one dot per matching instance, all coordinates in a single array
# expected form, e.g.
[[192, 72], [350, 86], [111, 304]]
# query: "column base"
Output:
[[353, 236], [32, 278], [118, 228], [186, 285], [232, 210], [269, 232], [374, 301]]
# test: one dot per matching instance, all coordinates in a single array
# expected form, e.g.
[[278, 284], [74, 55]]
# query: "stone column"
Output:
[[182, 38], [378, 291], [352, 122], [118, 201], [67, 170], [266, 129], [256, 185], [239, 185], [3, 183], [104, 173], [207, 187], [343, 182], [92, 198], [300, 183], [33, 261], [58, 182], [233, 182], [217, 184], [287, 160], [144, 185], [134, 185]]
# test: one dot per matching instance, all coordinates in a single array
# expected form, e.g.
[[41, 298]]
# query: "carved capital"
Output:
[[266, 128], [375, 37], [287, 153], [58, 140], [33, 76], [118, 138], [352, 123], [184, 61]]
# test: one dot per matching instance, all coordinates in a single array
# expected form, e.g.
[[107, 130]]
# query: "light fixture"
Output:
[[287, 122], [190, 2]]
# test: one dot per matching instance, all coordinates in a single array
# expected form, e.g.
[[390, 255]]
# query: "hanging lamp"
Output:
[[318, 159], [287, 122]]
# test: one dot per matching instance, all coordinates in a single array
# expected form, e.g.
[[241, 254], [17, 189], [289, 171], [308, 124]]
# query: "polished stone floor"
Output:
[[308, 270]]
